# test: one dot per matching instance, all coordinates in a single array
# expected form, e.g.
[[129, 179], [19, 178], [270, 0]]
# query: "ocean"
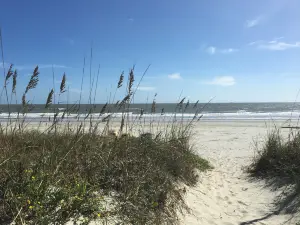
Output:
[[211, 111]]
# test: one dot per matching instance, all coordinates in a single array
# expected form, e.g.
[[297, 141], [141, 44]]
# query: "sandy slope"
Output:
[[225, 195]]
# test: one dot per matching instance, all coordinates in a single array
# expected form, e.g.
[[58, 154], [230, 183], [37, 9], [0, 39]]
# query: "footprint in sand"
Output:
[[232, 193], [244, 212], [242, 203]]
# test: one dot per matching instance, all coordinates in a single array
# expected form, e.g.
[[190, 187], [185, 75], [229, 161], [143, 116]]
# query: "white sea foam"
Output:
[[239, 115]]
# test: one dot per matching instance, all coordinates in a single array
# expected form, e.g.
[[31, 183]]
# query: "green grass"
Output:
[[57, 176], [279, 157], [278, 162], [63, 172]]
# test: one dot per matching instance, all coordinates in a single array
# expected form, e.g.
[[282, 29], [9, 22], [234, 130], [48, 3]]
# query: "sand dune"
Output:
[[225, 195]]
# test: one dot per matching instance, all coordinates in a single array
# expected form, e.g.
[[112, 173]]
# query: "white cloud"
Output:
[[130, 19], [174, 76], [222, 81], [275, 45], [253, 22], [146, 88], [279, 46], [255, 42], [228, 50], [213, 50]]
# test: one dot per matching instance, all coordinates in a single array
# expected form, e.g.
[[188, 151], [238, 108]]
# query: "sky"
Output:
[[232, 51]]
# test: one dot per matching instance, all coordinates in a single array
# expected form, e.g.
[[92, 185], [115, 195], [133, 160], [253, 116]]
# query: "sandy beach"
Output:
[[226, 195]]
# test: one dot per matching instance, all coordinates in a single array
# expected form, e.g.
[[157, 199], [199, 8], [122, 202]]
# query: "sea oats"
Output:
[[196, 104], [131, 80], [9, 73], [187, 105], [103, 109], [121, 79], [49, 98], [33, 80], [14, 81], [180, 104], [153, 106], [62, 88]]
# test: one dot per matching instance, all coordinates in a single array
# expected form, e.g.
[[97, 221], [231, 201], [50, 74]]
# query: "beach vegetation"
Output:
[[94, 167], [278, 163]]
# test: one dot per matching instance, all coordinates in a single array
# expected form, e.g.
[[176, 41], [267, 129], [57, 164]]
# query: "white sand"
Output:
[[225, 195]]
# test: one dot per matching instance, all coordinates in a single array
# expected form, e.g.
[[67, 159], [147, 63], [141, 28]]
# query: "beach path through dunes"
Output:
[[226, 195]]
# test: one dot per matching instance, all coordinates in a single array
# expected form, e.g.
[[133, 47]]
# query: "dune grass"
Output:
[[58, 176], [279, 163], [84, 172]]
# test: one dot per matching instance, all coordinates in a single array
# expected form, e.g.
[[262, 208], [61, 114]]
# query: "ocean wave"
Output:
[[239, 115]]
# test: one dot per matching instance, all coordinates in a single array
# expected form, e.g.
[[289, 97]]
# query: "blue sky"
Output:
[[237, 51]]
